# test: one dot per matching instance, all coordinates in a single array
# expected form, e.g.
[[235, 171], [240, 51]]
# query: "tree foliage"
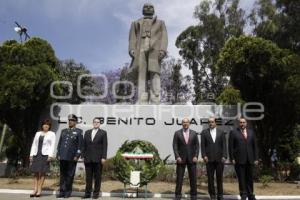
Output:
[[278, 21], [230, 96], [71, 71], [27, 71], [267, 74], [175, 88], [200, 44]]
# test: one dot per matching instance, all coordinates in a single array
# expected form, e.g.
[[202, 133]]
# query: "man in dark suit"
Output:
[[68, 152], [186, 150], [214, 154], [243, 154], [94, 155]]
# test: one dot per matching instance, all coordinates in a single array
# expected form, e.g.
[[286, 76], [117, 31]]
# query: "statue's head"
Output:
[[148, 9]]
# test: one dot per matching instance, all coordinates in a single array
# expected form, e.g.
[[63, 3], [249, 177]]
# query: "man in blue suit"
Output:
[[68, 152]]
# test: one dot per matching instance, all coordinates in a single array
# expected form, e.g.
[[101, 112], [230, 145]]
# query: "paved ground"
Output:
[[17, 194], [48, 197], [4, 196], [45, 197]]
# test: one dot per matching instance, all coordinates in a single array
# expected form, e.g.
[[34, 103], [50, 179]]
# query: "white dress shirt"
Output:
[[94, 131], [213, 133]]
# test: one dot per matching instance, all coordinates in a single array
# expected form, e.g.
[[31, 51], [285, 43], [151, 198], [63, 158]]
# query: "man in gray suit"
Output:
[[68, 152], [148, 43], [186, 150]]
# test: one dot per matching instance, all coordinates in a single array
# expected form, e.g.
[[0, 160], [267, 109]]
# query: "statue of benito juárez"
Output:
[[148, 43]]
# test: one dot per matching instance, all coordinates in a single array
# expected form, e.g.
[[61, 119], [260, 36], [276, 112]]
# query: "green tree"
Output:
[[267, 74], [230, 96], [175, 88], [70, 71], [126, 89], [278, 21], [176, 82], [27, 71], [200, 44], [112, 77]]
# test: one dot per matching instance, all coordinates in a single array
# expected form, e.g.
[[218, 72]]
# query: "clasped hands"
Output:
[[179, 160]]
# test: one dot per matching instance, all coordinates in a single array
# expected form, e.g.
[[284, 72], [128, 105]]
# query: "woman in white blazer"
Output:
[[41, 153]]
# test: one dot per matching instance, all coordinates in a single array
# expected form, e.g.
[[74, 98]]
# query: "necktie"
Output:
[[245, 134], [186, 136]]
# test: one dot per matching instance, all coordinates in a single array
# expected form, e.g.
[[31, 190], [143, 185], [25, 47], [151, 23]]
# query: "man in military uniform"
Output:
[[148, 43], [68, 152]]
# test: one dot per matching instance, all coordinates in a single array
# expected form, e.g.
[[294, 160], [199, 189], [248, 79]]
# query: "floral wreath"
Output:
[[149, 167]]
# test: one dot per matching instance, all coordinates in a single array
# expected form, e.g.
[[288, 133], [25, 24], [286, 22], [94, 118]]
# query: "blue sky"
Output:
[[93, 32]]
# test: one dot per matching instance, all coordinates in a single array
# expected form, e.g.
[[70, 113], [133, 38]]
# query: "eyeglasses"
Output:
[[73, 120], [96, 122]]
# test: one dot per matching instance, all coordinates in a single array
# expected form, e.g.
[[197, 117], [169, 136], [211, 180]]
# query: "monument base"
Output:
[[153, 123]]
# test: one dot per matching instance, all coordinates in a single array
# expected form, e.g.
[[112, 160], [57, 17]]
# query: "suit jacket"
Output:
[[158, 42], [48, 144], [96, 149], [70, 144], [186, 151], [243, 150], [213, 150]]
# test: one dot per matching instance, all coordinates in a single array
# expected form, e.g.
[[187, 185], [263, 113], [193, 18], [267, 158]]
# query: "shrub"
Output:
[[167, 173], [265, 180], [108, 169]]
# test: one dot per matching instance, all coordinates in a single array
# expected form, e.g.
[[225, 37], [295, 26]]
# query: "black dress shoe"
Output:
[[220, 197], [60, 196], [86, 196], [37, 195], [213, 197], [178, 197], [95, 196], [193, 197], [32, 195]]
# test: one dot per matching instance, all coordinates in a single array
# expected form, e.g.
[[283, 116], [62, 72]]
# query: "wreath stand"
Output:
[[135, 175]]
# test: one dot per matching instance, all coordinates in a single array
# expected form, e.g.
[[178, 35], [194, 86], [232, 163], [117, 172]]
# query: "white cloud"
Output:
[[75, 20]]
